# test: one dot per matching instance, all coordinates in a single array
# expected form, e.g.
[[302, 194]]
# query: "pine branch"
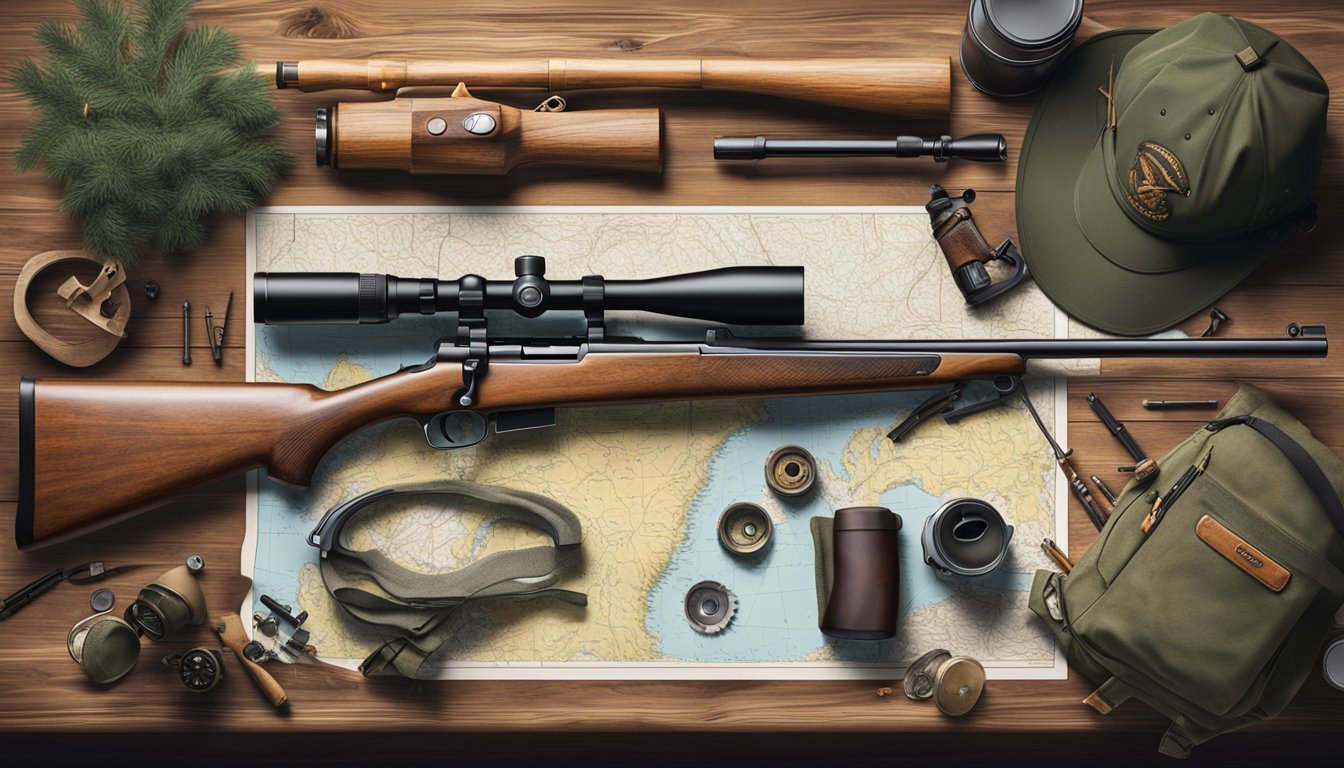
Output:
[[159, 24], [150, 126]]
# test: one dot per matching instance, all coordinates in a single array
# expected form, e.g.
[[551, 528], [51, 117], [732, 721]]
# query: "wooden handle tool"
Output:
[[229, 627]]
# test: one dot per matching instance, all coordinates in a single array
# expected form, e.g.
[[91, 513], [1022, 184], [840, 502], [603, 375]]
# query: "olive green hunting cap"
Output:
[[1136, 211]]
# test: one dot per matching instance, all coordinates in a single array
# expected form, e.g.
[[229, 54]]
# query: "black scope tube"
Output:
[[985, 147], [734, 295]]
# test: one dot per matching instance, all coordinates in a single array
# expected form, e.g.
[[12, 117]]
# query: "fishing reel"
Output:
[[966, 250], [199, 669]]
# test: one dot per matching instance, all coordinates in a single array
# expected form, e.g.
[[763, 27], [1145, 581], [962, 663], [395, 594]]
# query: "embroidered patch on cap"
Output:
[[1155, 173]]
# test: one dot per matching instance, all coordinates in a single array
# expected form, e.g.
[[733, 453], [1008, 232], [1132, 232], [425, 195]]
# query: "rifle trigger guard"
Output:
[[454, 429]]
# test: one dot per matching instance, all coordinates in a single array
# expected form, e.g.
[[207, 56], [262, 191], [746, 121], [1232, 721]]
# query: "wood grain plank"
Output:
[[42, 688]]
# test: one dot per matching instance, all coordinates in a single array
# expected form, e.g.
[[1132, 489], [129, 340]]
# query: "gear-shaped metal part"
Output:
[[710, 607]]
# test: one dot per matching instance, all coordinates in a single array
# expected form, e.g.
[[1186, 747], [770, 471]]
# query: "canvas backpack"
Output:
[[1216, 615]]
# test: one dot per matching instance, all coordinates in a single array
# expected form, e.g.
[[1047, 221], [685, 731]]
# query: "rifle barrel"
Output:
[[1296, 344]]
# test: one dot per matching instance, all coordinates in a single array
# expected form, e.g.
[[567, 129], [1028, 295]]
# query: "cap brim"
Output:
[[1084, 252]]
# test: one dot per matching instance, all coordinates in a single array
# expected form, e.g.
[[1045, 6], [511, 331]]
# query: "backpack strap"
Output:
[[1306, 466], [1109, 695], [1176, 742]]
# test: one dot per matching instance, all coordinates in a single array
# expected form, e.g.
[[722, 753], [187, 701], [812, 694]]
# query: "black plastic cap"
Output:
[[739, 148], [983, 147]]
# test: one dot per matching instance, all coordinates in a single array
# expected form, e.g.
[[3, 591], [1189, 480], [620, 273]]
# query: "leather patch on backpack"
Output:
[[1155, 173], [1242, 554]]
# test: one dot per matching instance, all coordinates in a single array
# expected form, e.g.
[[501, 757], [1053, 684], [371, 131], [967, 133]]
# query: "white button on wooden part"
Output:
[[479, 123]]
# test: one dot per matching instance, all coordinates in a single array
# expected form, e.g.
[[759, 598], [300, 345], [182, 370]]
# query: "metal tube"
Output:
[[985, 147], [735, 295], [1060, 349]]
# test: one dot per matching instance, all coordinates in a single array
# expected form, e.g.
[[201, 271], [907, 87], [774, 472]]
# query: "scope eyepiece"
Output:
[[982, 148]]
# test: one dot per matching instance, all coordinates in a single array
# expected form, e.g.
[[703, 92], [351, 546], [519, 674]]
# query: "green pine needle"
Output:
[[151, 126]]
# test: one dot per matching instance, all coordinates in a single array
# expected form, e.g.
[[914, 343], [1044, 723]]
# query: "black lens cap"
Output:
[[102, 600]]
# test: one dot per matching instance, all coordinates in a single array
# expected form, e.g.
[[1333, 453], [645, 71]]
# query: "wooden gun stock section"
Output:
[[609, 379], [94, 452], [918, 89]]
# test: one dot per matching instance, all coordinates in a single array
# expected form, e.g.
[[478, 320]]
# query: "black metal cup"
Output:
[[1010, 47]]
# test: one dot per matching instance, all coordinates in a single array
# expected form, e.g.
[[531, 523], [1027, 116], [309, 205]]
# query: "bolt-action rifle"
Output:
[[183, 435]]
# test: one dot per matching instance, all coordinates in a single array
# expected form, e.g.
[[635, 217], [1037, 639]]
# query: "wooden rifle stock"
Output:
[[917, 89], [93, 452]]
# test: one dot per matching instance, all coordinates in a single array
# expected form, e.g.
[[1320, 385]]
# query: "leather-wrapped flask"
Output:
[[858, 572]]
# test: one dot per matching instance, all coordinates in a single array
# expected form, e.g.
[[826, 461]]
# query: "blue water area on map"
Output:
[[776, 618], [777, 614]]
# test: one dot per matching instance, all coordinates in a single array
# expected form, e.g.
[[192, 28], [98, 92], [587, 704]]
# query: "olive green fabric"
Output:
[[415, 607], [1209, 166], [1164, 618]]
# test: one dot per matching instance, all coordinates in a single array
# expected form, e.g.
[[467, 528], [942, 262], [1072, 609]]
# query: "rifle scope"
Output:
[[984, 147], [735, 295]]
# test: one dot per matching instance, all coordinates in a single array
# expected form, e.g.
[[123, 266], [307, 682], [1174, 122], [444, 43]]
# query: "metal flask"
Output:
[[1009, 48], [965, 537]]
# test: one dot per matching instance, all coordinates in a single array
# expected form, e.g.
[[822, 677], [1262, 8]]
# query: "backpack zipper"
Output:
[[1163, 503]]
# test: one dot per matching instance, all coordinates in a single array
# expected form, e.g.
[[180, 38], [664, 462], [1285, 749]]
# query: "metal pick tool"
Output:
[[215, 333], [186, 332]]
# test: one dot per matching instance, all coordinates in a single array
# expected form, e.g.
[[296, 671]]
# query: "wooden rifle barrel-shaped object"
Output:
[[916, 89], [462, 134]]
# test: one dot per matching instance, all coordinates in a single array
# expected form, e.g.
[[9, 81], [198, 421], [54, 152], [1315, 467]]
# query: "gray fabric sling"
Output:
[[377, 591]]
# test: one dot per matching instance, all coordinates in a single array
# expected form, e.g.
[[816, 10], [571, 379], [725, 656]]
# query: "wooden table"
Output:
[[40, 689]]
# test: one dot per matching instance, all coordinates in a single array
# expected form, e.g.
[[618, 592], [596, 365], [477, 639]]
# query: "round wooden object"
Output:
[[80, 352]]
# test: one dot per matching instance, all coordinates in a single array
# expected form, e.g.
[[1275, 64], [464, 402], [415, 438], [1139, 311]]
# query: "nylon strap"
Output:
[[375, 590], [1306, 466]]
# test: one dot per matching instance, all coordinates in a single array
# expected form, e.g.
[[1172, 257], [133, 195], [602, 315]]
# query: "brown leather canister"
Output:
[[864, 600]]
